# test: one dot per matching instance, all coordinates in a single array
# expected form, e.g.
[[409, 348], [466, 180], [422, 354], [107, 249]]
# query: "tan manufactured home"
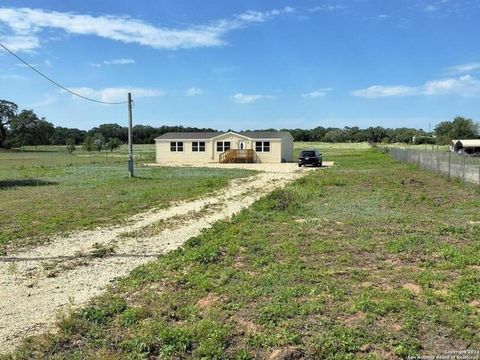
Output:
[[224, 147]]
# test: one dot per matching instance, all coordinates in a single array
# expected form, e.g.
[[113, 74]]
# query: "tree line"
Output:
[[458, 128], [21, 128]]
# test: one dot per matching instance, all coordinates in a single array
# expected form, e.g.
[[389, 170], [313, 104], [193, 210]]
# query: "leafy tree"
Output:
[[24, 129], [44, 132], [98, 142], [459, 128], [88, 144], [70, 145], [375, 134], [463, 128], [443, 131], [335, 136], [111, 131], [62, 134], [8, 110], [113, 143], [419, 140]]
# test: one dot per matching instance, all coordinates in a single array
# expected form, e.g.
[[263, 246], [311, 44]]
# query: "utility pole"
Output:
[[130, 137]]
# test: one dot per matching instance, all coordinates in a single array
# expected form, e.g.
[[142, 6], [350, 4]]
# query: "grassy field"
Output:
[[369, 259], [40, 200], [58, 156]]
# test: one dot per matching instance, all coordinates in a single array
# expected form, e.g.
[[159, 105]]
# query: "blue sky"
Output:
[[246, 64]]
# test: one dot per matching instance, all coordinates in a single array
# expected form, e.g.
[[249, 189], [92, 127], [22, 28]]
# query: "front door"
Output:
[[241, 145]]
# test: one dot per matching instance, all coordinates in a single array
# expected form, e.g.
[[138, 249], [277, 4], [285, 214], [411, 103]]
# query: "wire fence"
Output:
[[449, 164], [63, 158]]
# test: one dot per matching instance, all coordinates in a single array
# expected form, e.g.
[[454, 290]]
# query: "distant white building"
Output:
[[467, 146]]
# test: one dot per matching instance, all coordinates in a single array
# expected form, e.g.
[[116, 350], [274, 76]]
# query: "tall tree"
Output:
[[70, 145], [463, 128], [24, 129], [459, 128], [8, 110], [111, 131], [113, 143], [88, 144], [44, 132], [98, 141]]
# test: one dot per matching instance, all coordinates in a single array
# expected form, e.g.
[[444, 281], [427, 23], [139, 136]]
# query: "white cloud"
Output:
[[20, 43], [116, 94], [249, 98], [317, 93], [26, 25], [119, 62], [193, 91], [254, 16], [114, 62], [465, 85], [444, 7], [383, 17], [464, 68], [378, 91], [327, 8]]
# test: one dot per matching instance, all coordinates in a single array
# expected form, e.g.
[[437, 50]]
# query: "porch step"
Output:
[[238, 156]]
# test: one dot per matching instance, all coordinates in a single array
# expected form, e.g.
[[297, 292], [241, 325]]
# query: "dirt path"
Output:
[[37, 284]]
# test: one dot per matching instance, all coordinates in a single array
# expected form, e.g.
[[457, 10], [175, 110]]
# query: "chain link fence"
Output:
[[450, 164]]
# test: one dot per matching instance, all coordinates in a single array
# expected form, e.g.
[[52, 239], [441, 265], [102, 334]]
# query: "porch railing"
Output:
[[238, 156]]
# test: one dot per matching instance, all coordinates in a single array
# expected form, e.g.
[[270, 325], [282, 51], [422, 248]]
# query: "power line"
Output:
[[57, 84]]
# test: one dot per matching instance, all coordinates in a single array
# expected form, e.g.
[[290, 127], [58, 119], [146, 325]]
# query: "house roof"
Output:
[[188, 135], [264, 134], [211, 135], [470, 143]]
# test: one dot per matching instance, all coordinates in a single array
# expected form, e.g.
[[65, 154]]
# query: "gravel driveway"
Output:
[[39, 283]]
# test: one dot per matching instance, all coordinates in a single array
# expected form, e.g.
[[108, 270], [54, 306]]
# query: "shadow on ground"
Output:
[[5, 184]]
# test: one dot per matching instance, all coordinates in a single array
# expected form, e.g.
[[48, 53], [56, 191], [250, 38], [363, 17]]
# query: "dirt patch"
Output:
[[247, 326], [286, 354], [38, 283], [414, 288], [207, 302], [355, 319]]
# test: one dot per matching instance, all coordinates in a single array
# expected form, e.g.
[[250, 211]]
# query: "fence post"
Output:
[[464, 160], [449, 164], [479, 175]]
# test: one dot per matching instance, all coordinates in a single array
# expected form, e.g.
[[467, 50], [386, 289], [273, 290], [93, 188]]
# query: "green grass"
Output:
[[350, 262], [58, 156], [39, 201], [331, 150]]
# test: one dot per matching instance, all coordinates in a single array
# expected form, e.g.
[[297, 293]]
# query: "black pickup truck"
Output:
[[310, 157]]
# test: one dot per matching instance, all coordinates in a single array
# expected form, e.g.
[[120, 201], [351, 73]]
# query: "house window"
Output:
[[223, 146], [198, 146], [262, 146], [176, 146]]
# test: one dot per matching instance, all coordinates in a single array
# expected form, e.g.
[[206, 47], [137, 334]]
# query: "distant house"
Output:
[[224, 147], [469, 146]]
